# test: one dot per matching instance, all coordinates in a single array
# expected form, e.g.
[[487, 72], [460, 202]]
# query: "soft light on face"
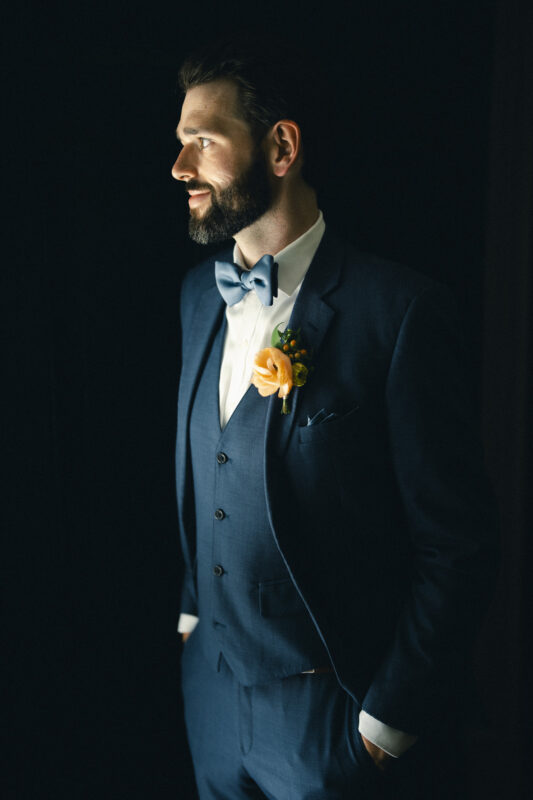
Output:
[[225, 171]]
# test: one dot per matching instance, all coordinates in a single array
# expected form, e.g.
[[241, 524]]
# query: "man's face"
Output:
[[224, 170]]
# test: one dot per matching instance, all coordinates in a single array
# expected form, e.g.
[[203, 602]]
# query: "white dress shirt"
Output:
[[249, 329], [250, 323]]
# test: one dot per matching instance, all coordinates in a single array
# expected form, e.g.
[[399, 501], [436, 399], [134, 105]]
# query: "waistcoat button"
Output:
[[218, 570], [222, 458], [219, 514]]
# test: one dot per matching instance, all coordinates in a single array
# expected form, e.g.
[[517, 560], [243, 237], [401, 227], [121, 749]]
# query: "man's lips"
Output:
[[197, 197]]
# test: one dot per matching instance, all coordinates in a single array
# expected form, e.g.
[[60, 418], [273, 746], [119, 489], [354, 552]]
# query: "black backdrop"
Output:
[[96, 253]]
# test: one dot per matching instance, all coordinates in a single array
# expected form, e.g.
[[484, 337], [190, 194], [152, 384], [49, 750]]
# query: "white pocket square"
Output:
[[321, 416]]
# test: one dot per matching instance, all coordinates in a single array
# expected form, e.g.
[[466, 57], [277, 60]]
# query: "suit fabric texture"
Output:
[[381, 516], [294, 738]]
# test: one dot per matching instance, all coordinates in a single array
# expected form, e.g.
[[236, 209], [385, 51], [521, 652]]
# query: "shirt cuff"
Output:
[[391, 740], [187, 623]]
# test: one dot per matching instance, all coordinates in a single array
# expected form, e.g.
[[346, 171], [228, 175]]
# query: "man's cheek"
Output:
[[224, 178]]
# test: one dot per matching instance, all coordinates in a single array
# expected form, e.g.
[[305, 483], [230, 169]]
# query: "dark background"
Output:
[[427, 161]]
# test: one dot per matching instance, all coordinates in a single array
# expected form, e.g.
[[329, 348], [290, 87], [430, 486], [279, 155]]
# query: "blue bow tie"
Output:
[[233, 282]]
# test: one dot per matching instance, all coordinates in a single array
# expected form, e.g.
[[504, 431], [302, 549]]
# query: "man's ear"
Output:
[[285, 146]]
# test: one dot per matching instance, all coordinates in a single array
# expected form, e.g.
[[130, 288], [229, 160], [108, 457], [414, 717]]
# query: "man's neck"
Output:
[[286, 221]]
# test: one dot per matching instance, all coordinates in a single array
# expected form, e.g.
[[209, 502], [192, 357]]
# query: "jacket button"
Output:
[[219, 514], [222, 458], [218, 570]]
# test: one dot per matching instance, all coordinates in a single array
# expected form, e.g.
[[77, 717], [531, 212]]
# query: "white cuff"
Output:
[[391, 740], [187, 623]]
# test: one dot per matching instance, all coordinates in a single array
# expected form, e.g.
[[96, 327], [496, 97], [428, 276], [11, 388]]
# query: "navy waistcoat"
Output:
[[249, 609]]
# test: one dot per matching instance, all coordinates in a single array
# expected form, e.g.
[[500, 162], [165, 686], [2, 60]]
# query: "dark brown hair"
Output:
[[274, 82]]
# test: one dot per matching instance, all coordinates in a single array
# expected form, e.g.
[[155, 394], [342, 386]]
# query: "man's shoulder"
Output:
[[383, 274], [198, 280], [383, 283], [201, 276]]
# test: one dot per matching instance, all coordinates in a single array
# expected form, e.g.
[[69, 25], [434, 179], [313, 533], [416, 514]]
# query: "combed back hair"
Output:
[[273, 79]]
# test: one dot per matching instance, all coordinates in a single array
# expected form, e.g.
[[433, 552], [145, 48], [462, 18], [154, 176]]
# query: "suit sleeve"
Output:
[[188, 603], [452, 521]]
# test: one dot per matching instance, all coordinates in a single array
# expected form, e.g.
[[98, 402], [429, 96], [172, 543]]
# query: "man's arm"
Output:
[[188, 620], [438, 462]]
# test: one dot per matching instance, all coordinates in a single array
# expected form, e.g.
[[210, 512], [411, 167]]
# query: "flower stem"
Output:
[[285, 408]]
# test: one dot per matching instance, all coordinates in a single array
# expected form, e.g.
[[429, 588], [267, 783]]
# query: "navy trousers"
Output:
[[296, 739], [290, 738]]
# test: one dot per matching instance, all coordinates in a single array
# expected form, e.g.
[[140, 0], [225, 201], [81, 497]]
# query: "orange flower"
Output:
[[272, 371]]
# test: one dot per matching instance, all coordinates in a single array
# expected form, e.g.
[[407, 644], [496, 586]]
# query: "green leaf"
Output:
[[275, 340]]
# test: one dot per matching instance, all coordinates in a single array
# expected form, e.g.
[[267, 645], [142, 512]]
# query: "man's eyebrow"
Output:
[[195, 131]]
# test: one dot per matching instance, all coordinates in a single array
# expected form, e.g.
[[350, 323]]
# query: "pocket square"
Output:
[[321, 416]]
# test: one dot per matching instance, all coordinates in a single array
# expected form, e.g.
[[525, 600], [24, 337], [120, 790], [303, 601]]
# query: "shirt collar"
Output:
[[294, 260]]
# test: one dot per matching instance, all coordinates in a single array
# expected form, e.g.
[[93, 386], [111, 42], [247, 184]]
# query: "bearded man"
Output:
[[338, 534]]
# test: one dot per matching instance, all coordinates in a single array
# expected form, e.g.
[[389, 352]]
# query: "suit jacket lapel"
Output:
[[205, 323], [313, 315]]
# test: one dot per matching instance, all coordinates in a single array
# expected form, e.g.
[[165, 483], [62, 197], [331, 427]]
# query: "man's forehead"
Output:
[[210, 106]]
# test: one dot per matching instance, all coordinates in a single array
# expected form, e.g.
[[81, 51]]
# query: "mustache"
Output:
[[196, 186]]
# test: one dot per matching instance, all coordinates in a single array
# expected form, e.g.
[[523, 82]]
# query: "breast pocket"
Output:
[[279, 598], [335, 429]]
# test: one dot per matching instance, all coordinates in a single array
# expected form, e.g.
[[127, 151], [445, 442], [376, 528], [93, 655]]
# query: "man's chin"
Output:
[[201, 233], [199, 212]]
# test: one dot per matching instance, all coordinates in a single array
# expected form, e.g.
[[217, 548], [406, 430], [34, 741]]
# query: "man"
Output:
[[338, 556]]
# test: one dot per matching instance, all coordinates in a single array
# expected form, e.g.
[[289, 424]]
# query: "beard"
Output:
[[236, 207]]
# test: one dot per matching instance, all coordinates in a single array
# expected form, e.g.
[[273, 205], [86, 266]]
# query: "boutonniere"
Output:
[[285, 364]]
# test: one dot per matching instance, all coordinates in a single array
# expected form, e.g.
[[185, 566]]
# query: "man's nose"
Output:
[[184, 169]]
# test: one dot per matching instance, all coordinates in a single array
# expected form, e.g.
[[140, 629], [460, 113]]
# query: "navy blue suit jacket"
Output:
[[382, 515]]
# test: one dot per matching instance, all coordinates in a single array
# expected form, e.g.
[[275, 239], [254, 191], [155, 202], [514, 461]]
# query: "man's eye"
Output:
[[204, 142]]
